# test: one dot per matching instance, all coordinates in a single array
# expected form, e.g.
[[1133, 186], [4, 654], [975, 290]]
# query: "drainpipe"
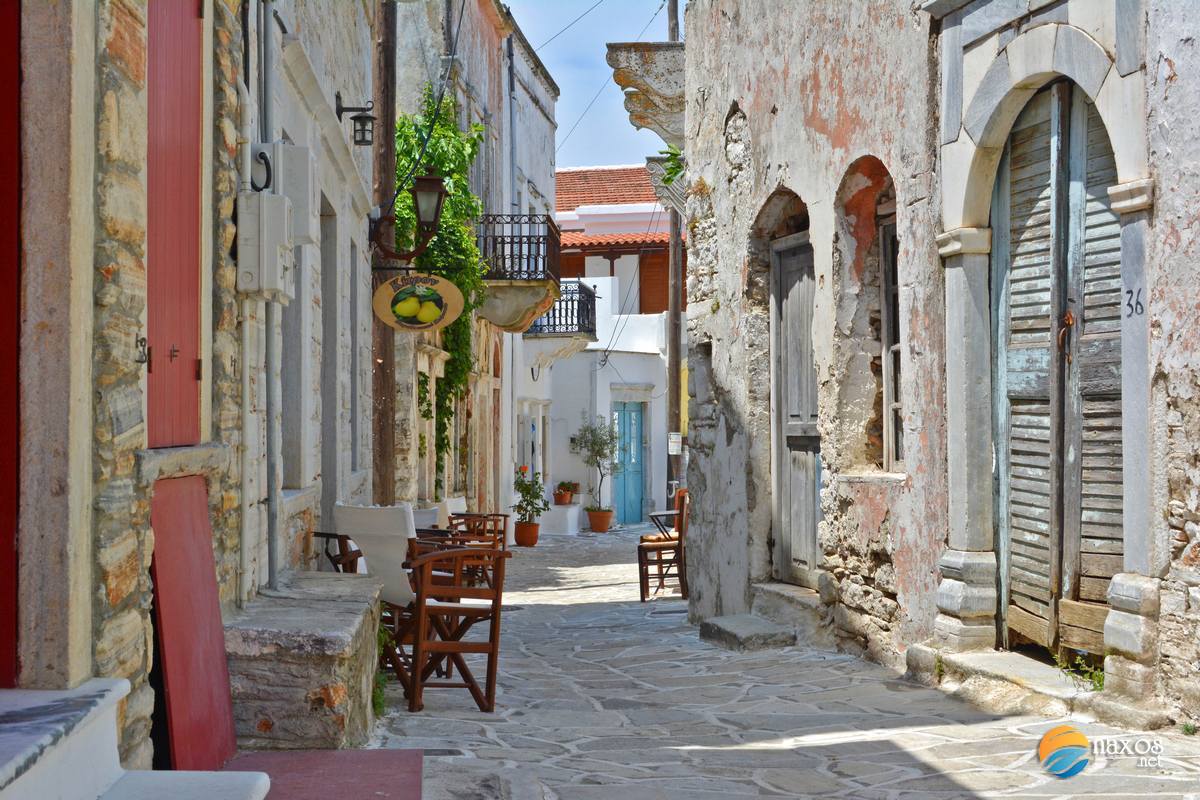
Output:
[[266, 132], [247, 576], [506, 475]]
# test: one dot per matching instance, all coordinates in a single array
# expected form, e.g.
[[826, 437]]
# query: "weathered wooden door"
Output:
[[10, 324], [796, 450], [191, 639], [629, 487], [1058, 305], [174, 130]]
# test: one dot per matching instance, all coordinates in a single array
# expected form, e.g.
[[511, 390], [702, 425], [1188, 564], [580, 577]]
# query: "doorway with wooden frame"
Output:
[[796, 443], [192, 722], [1057, 310]]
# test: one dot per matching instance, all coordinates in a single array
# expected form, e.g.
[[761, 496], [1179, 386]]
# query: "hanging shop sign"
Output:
[[417, 302]]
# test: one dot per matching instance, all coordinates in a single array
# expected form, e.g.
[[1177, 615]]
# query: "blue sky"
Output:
[[576, 60]]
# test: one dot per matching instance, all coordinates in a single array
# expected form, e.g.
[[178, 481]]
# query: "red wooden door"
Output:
[[191, 640], [10, 328], [175, 130]]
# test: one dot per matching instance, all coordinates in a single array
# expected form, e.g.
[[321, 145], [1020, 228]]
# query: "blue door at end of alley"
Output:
[[627, 482]]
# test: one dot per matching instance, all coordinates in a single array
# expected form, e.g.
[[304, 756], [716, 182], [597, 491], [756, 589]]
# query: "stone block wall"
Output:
[[770, 117], [123, 639]]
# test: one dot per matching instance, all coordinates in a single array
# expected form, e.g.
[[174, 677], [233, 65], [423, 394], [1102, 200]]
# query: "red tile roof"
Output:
[[602, 186], [580, 239]]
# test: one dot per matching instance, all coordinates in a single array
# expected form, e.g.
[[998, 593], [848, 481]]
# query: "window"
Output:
[[889, 301]]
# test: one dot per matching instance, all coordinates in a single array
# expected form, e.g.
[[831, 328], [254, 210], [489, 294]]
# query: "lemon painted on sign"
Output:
[[418, 302]]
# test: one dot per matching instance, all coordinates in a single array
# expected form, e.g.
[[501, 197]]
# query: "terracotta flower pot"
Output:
[[526, 534], [562, 498], [600, 521]]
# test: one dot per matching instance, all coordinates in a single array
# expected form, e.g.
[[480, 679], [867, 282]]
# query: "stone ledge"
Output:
[[302, 663], [174, 462]]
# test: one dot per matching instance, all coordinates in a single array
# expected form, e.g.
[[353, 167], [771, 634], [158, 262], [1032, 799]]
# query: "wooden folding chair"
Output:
[[443, 614], [664, 555]]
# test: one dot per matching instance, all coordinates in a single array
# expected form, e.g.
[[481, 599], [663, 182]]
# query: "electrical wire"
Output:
[[607, 78], [569, 25]]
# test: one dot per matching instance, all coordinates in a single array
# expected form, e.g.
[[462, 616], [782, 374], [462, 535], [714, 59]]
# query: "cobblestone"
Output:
[[601, 697]]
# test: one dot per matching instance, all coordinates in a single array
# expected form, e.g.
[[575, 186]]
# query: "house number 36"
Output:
[[1133, 303]]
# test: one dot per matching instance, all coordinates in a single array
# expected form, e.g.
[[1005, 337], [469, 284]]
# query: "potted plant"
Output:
[[563, 493], [531, 505], [598, 442]]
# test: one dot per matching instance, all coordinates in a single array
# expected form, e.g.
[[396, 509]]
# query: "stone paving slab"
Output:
[[602, 697]]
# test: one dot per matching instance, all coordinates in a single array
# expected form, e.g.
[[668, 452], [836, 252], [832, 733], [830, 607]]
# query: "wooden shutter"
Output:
[[1058, 378], [1093, 482], [175, 129], [571, 265], [653, 269], [1025, 266]]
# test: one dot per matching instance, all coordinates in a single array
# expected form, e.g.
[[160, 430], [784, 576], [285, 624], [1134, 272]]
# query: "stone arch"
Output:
[[865, 199], [1024, 65], [781, 214]]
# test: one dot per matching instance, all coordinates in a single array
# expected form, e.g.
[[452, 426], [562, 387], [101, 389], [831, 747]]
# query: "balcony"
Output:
[[521, 252], [573, 314], [566, 329]]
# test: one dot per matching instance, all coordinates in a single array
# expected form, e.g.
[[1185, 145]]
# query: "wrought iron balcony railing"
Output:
[[573, 314], [519, 247]]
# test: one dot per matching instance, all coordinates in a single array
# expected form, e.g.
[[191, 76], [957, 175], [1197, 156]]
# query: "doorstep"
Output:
[[1005, 682], [320, 774], [302, 663]]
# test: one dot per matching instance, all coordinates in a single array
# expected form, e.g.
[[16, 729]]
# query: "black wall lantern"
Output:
[[363, 120], [429, 195]]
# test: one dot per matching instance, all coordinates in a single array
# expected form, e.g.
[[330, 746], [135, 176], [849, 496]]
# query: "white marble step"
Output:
[[189, 786], [62, 745]]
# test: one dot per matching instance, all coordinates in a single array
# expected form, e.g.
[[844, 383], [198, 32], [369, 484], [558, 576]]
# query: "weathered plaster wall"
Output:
[[768, 110], [1173, 261]]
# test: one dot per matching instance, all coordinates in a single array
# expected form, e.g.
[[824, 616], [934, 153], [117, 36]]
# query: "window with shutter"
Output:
[[1057, 298]]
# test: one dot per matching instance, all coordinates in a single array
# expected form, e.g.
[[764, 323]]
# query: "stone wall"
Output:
[[1172, 65], [124, 640], [775, 123]]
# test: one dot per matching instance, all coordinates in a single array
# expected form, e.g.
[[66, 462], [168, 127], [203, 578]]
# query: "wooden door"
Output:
[[628, 489], [191, 639], [1057, 296], [175, 134], [797, 444], [10, 330]]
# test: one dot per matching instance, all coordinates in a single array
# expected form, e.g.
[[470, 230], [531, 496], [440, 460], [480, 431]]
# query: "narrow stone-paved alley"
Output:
[[603, 697]]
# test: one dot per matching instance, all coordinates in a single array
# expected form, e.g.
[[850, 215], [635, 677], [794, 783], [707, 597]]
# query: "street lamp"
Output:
[[429, 195], [363, 120]]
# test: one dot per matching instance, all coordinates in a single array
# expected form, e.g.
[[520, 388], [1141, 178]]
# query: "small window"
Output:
[[893, 417]]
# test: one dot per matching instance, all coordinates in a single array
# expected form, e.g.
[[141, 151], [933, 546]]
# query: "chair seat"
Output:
[[656, 547], [660, 537]]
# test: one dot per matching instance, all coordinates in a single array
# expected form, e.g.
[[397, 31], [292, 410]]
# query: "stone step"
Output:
[[62, 745], [189, 786], [746, 632], [794, 607]]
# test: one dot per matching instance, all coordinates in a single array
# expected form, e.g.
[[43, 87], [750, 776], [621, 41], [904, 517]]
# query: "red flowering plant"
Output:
[[533, 500]]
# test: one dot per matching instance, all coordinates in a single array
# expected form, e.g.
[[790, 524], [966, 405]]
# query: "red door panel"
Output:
[[10, 328], [191, 640], [175, 128]]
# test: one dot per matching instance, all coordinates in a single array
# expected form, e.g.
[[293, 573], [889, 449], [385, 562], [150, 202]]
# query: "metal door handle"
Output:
[[1064, 330]]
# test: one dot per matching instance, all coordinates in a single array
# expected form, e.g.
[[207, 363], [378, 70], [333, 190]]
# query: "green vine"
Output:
[[674, 166], [424, 403], [453, 253]]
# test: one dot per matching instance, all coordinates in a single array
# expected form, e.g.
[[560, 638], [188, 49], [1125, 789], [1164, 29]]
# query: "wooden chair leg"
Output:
[[643, 574]]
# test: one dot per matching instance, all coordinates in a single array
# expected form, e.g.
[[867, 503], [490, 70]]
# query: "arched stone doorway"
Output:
[[973, 594], [780, 238]]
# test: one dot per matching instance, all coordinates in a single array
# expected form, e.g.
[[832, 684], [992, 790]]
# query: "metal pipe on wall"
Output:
[[266, 132]]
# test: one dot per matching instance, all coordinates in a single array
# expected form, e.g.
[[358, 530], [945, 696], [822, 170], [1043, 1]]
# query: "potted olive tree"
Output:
[[598, 442], [529, 507]]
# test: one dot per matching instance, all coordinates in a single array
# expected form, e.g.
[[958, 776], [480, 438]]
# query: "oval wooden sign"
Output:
[[417, 302]]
